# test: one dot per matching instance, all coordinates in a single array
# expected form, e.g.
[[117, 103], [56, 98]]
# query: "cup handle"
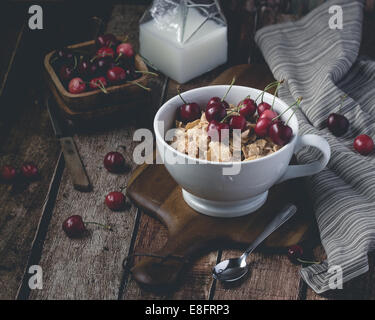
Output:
[[309, 169]]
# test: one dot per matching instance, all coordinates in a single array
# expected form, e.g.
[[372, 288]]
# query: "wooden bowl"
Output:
[[117, 94]]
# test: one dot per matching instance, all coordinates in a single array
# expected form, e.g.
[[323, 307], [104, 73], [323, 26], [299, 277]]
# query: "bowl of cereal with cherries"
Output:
[[227, 145]]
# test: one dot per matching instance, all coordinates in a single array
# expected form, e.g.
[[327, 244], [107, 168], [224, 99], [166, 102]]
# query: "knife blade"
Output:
[[72, 158]]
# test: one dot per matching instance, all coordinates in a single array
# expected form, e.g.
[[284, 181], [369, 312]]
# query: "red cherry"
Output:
[[104, 64], [87, 69], [270, 114], [215, 111], [337, 124], [214, 129], [29, 171], [262, 126], [97, 83], [225, 104], [247, 108], [66, 73], [74, 226], [364, 144], [106, 40], [189, 112], [280, 133], [8, 174], [76, 85], [217, 100], [295, 253], [213, 100], [105, 52], [237, 122], [263, 106], [125, 50], [114, 162], [115, 200], [116, 75]]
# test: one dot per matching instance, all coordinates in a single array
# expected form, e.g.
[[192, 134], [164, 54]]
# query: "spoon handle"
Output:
[[286, 213]]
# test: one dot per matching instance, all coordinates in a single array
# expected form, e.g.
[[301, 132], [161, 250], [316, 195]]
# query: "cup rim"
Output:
[[222, 163]]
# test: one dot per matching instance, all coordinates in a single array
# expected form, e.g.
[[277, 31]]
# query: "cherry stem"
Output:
[[297, 103], [126, 38], [269, 86], [147, 72], [307, 261], [179, 93], [118, 57], [230, 87], [140, 85], [99, 224], [75, 63], [276, 91], [102, 87], [230, 114]]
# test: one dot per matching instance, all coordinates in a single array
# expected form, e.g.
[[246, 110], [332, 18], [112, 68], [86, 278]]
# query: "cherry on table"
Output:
[[8, 174], [263, 106], [280, 133], [215, 111], [295, 253], [30, 171], [262, 127], [364, 144], [337, 124], [215, 129], [237, 122], [74, 227], [270, 114], [76, 86], [247, 108], [114, 162], [116, 75], [115, 200]]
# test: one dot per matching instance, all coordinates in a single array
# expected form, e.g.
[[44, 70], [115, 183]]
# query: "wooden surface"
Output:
[[31, 215]]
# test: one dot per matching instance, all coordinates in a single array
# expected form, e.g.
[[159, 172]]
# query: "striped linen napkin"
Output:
[[321, 65]]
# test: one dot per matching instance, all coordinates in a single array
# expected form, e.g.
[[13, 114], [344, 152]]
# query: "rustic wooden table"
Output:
[[31, 215]]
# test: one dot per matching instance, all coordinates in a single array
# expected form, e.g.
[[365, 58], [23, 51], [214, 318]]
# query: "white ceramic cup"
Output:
[[205, 187]]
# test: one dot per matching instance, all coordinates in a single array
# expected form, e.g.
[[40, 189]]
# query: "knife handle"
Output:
[[74, 164]]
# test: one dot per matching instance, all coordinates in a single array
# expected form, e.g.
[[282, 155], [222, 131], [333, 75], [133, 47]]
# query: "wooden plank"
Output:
[[25, 135], [31, 139], [151, 236], [91, 268]]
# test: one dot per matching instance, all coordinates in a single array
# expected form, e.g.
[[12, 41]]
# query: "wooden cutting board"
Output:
[[190, 234]]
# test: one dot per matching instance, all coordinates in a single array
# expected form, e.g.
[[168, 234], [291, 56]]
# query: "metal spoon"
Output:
[[235, 268]]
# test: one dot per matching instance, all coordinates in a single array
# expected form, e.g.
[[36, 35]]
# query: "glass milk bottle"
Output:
[[184, 38]]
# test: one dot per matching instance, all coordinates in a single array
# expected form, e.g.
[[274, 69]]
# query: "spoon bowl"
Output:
[[230, 270], [233, 269]]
